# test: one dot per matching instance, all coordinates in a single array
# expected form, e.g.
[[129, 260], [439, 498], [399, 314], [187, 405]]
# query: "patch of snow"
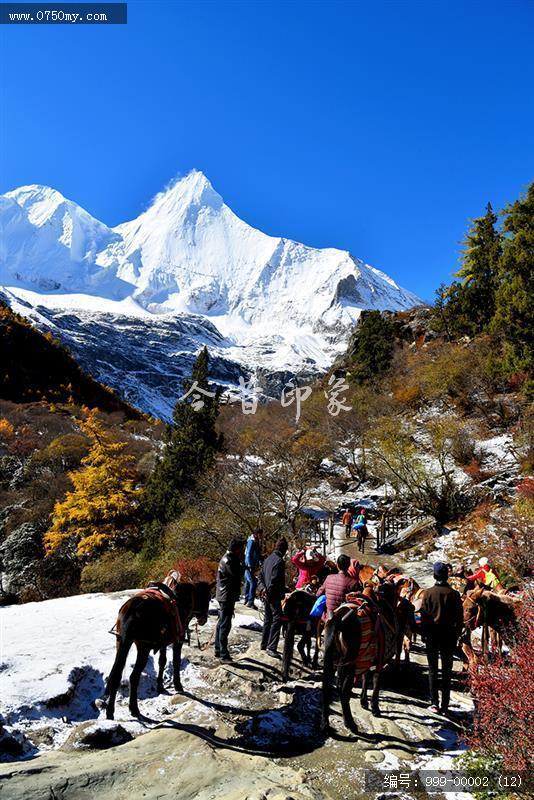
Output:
[[54, 658]]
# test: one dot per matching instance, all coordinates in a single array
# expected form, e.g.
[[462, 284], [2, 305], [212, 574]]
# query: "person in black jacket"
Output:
[[227, 594], [442, 621], [273, 578]]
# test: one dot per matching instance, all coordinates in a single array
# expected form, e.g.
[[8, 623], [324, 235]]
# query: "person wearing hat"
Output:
[[484, 574], [309, 563], [442, 621]]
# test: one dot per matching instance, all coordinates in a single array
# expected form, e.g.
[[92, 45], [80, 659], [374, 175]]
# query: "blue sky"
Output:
[[379, 127]]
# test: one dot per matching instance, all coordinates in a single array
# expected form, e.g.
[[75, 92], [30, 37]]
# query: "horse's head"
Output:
[[201, 601], [369, 590], [471, 609], [387, 591]]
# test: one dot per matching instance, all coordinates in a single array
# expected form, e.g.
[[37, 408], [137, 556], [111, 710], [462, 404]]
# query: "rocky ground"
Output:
[[238, 732]]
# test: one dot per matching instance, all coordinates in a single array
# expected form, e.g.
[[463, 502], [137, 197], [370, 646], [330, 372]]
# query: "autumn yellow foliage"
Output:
[[99, 510], [6, 430]]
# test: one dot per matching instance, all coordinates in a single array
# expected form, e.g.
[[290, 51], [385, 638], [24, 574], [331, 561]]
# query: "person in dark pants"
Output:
[[273, 578], [227, 594], [252, 562], [442, 620]]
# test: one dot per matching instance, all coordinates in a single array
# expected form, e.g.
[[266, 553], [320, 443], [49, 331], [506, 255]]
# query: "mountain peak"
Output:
[[36, 194], [193, 189]]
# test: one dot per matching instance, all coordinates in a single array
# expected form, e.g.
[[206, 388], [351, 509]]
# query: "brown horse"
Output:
[[151, 623], [405, 589], [409, 602], [359, 635], [495, 613], [296, 620]]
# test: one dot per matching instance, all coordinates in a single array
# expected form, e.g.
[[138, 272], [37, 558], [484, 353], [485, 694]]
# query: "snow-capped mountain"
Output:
[[137, 301]]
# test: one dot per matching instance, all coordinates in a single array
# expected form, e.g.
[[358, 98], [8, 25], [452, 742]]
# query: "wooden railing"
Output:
[[318, 534], [392, 523]]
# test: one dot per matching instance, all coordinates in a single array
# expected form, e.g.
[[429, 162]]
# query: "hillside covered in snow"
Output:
[[136, 302]]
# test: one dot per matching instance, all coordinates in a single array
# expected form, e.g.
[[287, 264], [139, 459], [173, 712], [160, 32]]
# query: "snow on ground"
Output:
[[499, 451], [55, 656]]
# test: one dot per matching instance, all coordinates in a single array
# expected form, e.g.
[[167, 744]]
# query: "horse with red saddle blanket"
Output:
[[361, 635], [153, 619]]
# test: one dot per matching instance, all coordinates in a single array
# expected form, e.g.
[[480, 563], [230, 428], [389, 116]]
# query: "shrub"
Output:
[[475, 472], [504, 701], [408, 395], [196, 569], [64, 452], [525, 489], [113, 571], [7, 431]]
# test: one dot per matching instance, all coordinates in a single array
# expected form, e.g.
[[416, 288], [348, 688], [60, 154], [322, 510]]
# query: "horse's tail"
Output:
[[329, 659], [289, 642]]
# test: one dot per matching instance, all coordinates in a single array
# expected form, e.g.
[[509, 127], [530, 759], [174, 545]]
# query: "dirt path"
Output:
[[420, 570]]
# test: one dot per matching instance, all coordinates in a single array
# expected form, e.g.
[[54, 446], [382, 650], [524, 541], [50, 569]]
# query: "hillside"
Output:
[[35, 367]]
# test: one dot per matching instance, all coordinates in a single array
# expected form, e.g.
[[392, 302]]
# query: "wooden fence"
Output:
[[318, 534], [393, 522]]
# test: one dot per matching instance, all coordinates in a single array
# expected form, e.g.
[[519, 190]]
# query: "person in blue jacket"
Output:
[[252, 563]]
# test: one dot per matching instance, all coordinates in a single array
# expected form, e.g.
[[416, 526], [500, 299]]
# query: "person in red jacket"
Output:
[[484, 575], [337, 587], [309, 563]]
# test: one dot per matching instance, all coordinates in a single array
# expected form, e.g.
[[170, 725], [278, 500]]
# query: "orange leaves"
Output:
[[100, 509]]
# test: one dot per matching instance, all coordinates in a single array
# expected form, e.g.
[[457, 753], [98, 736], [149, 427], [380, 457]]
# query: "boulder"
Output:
[[99, 735]]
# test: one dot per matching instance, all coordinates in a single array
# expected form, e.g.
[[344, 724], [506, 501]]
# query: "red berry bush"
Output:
[[503, 691]]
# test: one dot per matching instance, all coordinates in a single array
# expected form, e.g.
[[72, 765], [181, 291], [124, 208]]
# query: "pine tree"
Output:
[[372, 352], [191, 443], [514, 312], [100, 510], [472, 299]]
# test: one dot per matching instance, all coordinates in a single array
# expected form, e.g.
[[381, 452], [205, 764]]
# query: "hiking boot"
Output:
[[273, 654], [227, 659], [252, 605]]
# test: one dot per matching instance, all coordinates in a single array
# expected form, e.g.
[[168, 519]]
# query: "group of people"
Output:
[[441, 610], [353, 524], [266, 572], [269, 572]]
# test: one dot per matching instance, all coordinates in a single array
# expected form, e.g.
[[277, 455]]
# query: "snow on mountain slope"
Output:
[[276, 307]]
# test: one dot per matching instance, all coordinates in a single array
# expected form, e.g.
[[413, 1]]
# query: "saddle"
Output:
[[378, 635], [165, 595]]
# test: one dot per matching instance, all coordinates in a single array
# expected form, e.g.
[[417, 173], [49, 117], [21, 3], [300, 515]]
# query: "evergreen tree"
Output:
[[472, 299], [444, 317], [514, 312], [191, 443], [372, 352], [100, 510]]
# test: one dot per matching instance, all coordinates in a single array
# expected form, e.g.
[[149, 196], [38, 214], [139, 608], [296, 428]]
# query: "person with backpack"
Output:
[[360, 527], [252, 562], [227, 594], [273, 582]]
